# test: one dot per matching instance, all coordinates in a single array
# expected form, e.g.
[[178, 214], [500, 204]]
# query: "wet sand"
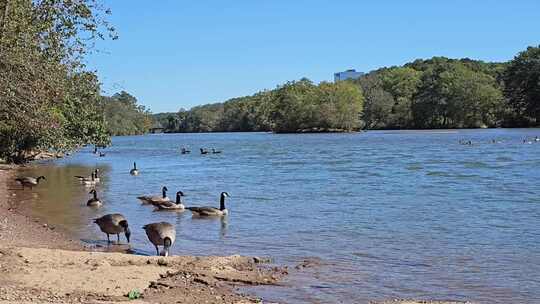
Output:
[[39, 264]]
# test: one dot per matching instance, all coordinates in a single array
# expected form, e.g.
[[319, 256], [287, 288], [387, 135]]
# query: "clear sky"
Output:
[[174, 54]]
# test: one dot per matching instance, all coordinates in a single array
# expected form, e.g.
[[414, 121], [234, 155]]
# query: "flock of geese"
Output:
[[159, 234], [204, 151], [526, 140]]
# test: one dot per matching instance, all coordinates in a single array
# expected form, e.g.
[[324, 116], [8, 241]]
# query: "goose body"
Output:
[[90, 182], [185, 151], [211, 211], [204, 151], [94, 201], [134, 171], [169, 205], [29, 181], [152, 199], [214, 151], [95, 173], [161, 234], [113, 224]]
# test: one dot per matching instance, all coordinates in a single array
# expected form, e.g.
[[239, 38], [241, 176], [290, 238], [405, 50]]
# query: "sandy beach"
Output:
[[41, 265]]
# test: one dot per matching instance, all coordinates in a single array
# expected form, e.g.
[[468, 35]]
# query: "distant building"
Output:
[[348, 74]]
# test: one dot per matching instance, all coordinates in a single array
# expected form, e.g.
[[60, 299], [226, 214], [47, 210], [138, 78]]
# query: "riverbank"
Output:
[[41, 265]]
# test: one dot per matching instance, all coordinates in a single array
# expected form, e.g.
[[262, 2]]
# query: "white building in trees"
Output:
[[348, 74]]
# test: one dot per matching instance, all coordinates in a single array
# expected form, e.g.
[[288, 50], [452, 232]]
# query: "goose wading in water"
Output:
[[113, 224], [204, 151], [134, 171], [169, 205], [85, 178], [29, 181], [94, 201], [214, 151], [90, 182], [211, 211], [151, 199], [161, 234]]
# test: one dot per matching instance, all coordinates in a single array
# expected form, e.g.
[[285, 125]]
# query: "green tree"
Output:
[[47, 100], [453, 96], [293, 107], [402, 83], [522, 86], [378, 103], [124, 116], [340, 106]]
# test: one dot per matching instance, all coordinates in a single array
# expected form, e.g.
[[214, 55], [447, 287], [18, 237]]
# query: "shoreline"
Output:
[[17, 228], [40, 264]]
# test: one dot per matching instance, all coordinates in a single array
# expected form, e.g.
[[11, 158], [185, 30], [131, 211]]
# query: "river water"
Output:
[[377, 215]]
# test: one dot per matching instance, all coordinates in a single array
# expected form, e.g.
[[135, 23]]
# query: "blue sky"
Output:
[[174, 54]]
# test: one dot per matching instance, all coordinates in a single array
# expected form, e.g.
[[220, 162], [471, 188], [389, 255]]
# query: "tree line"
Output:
[[434, 93], [297, 106], [50, 101]]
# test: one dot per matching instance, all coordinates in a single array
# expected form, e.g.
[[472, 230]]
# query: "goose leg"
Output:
[[108, 239], [118, 238], [157, 250]]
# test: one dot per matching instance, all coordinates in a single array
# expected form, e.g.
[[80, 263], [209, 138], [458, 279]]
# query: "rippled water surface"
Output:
[[382, 215]]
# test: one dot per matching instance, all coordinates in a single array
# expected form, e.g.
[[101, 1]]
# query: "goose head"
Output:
[[164, 191], [179, 195], [40, 177], [167, 242], [222, 201], [127, 232]]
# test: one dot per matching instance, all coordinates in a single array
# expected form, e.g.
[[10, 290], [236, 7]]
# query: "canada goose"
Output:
[[94, 201], [29, 181], [214, 151], [90, 182], [150, 199], [83, 178], [211, 211], [101, 154], [169, 205], [162, 234], [113, 224], [204, 151], [185, 151], [134, 171]]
